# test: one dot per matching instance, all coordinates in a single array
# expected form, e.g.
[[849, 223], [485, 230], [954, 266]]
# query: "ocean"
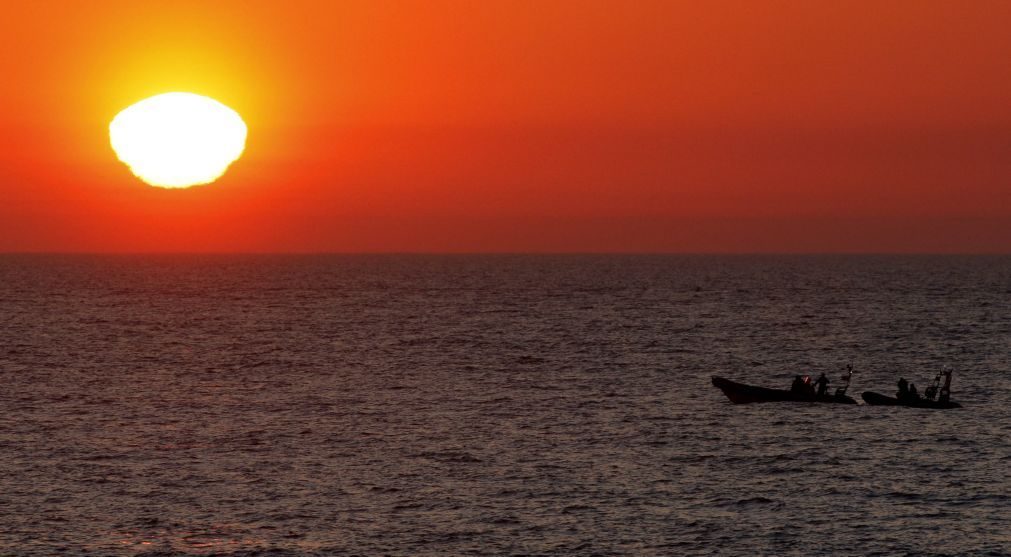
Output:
[[242, 405]]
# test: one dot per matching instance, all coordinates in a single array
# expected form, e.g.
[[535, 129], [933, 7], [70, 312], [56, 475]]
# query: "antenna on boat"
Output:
[[841, 391], [930, 392], [946, 389]]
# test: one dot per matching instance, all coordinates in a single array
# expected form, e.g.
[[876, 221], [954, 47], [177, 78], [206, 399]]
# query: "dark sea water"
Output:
[[497, 405]]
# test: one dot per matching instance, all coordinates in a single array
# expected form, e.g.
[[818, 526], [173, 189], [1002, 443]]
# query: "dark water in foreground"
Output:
[[425, 405]]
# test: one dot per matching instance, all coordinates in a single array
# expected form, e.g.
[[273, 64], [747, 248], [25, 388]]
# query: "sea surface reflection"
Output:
[[503, 405]]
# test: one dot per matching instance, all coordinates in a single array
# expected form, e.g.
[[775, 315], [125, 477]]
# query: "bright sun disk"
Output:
[[178, 140]]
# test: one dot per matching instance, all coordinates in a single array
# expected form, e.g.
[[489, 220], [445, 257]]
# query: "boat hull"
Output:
[[739, 393], [878, 399]]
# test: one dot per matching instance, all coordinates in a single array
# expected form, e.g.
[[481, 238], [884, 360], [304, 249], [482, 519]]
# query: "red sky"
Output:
[[742, 126]]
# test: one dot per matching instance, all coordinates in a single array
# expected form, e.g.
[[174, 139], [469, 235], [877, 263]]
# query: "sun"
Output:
[[178, 140]]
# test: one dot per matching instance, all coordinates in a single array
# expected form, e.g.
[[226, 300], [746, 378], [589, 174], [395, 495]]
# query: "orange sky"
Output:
[[521, 125]]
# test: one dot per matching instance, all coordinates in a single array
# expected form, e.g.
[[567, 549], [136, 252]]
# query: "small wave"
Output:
[[904, 495], [458, 457], [755, 501]]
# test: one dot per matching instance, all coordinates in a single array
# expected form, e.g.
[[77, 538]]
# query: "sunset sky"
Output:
[[520, 126]]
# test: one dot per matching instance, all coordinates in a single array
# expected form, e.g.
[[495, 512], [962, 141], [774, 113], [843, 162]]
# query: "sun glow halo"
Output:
[[178, 140]]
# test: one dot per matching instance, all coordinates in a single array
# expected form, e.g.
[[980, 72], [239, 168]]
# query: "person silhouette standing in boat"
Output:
[[903, 389], [821, 384]]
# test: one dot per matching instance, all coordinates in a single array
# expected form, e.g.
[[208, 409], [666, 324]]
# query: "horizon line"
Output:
[[529, 253]]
